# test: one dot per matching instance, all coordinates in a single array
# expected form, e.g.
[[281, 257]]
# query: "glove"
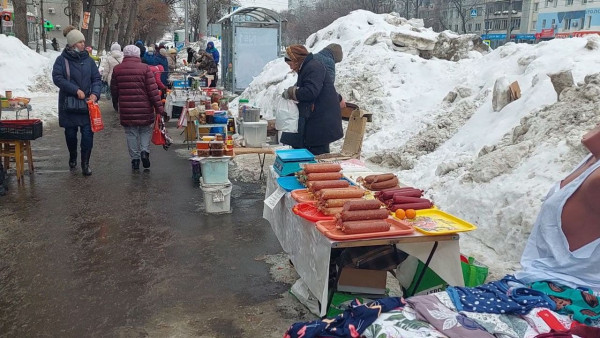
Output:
[[290, 93]]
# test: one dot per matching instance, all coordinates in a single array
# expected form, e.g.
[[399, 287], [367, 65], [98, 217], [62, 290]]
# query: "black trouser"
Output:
[[318, 150], [213, 83]]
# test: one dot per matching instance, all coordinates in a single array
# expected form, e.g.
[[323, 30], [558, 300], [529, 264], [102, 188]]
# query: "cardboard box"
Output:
[[362, 281], [353, 139]]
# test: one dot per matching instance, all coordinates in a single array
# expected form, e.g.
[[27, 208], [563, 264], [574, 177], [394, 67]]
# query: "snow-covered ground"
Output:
[[490, 168]]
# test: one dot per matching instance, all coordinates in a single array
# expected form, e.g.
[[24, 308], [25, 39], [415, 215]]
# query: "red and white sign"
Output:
[[86, 20]]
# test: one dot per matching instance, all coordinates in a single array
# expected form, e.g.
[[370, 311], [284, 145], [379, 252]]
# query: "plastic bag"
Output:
[[157, 136], [286, 116], [474, 273], [95, 116]]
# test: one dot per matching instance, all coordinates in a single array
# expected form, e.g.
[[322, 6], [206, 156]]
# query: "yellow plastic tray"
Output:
[[437, 222]]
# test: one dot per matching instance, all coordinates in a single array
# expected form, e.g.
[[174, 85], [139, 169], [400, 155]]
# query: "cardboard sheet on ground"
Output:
[[310, 251]]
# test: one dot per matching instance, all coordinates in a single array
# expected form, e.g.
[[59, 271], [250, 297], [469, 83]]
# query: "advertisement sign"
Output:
[[86, 20]]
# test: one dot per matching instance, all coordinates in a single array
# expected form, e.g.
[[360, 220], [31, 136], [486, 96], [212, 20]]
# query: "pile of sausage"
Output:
[[331, 201], [403, 198], [359, 217], [379, 182]]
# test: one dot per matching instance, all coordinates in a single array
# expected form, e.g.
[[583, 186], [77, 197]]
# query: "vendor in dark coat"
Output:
[[320, 120], [85, 83]]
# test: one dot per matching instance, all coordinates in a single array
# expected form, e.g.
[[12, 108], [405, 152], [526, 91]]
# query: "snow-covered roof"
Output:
[[258, 13]]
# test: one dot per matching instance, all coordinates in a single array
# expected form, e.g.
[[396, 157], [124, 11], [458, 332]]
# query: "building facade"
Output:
[[567, 18]]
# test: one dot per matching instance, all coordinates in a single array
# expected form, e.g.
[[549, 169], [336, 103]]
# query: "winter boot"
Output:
[[72, 146], [72, 160], [135, 164], [85, 163], [145, 159]]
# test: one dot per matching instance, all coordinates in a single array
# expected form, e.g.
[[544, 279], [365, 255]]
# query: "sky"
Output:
[[277, 5]]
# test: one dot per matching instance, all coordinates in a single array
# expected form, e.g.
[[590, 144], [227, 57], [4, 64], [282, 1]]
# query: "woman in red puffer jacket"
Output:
[[136, 97]]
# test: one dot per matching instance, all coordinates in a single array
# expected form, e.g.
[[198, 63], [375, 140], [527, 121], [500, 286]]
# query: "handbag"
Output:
[[157, 136], [72, 104], [95, 116]]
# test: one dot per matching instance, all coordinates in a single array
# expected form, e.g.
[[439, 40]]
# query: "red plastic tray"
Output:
[[309, 211], [303, 196], [397, 228]]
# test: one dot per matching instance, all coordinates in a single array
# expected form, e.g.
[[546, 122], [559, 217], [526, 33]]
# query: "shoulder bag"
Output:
[[72, 104]]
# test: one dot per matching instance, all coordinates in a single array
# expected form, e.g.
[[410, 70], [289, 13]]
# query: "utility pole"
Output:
[[186, 41], [203, 20], [43, 25], [509, 26]]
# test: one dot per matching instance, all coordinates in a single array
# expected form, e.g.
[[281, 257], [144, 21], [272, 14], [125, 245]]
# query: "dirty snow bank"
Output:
[[434, 122]]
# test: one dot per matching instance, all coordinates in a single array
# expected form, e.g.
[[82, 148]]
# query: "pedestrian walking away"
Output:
[[108, 65], [77, 77], [136, 97]]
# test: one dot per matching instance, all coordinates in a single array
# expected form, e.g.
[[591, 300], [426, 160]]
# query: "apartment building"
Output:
[[567, 18]]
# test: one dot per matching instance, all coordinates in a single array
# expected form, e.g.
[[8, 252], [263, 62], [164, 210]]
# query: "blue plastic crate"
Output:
[[180, 84]]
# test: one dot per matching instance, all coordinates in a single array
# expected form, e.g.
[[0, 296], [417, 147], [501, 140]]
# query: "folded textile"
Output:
[[401, 323], [583, 305], [542, 320], [352, 323], [506, 296], [452, 324]]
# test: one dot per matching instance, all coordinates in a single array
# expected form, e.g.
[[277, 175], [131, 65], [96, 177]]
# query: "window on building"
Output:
[[555, 3], [533, 24], [536, 6], [503, 23], [589, 18], [543, 23], [470, 27], [479, 11], [569, 2], [553, 25], [581, 23], [567, 25], [478, 27], [515, 23], [547, 2]]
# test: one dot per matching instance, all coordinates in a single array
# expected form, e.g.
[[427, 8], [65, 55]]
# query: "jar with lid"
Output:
[[217, 148]]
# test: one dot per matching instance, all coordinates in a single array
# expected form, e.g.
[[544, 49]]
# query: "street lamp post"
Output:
[[509, 25]]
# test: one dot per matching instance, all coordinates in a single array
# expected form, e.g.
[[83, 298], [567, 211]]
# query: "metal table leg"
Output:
[[262, 165], [433, 249]]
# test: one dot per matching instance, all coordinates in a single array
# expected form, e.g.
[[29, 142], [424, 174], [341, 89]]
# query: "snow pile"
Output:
[[28, 74], [434, 122]]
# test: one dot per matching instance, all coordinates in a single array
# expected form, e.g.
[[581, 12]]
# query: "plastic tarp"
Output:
[[310, 251]]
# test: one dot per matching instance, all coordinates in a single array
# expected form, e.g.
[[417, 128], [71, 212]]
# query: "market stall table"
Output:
[[260, 151], [310, 250]]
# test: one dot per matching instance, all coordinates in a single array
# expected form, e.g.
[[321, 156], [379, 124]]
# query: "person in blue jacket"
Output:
[[82, 80], [160, 58], [140, 45], [149, 57], [210, 49]]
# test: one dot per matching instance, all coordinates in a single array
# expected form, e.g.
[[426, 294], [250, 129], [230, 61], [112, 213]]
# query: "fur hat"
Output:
[[296, 53], [172, 51], [115, 47], [150, 50], [336, 51], [131, 50], [163, 52], [73, 35]]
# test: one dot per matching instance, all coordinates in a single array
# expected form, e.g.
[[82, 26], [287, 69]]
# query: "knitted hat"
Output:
[[115, 47], [336, 50], [296, 53], [73, 35], [131, 50], [163, 52]]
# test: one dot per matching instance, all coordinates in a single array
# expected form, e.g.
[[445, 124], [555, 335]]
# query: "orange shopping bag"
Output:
[[95, 116]]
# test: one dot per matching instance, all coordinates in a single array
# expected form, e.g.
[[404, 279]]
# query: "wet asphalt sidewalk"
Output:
[[123, 254]]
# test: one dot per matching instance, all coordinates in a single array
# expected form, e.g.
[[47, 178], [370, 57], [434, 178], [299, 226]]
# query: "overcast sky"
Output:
[[277, 5]]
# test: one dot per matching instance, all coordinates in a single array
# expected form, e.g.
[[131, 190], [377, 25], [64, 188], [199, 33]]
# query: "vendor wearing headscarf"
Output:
[[320, 120]]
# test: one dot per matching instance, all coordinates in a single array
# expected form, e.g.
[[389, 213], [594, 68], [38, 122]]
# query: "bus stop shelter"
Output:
[[251, 39]]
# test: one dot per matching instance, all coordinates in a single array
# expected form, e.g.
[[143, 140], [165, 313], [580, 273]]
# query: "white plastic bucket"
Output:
[[217, 197]]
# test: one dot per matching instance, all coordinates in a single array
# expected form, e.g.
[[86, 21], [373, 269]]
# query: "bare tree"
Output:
[[75, 8], [20, 21], [463, 9]]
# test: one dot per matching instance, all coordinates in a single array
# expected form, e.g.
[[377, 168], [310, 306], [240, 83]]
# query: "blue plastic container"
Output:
[[215, 170]]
